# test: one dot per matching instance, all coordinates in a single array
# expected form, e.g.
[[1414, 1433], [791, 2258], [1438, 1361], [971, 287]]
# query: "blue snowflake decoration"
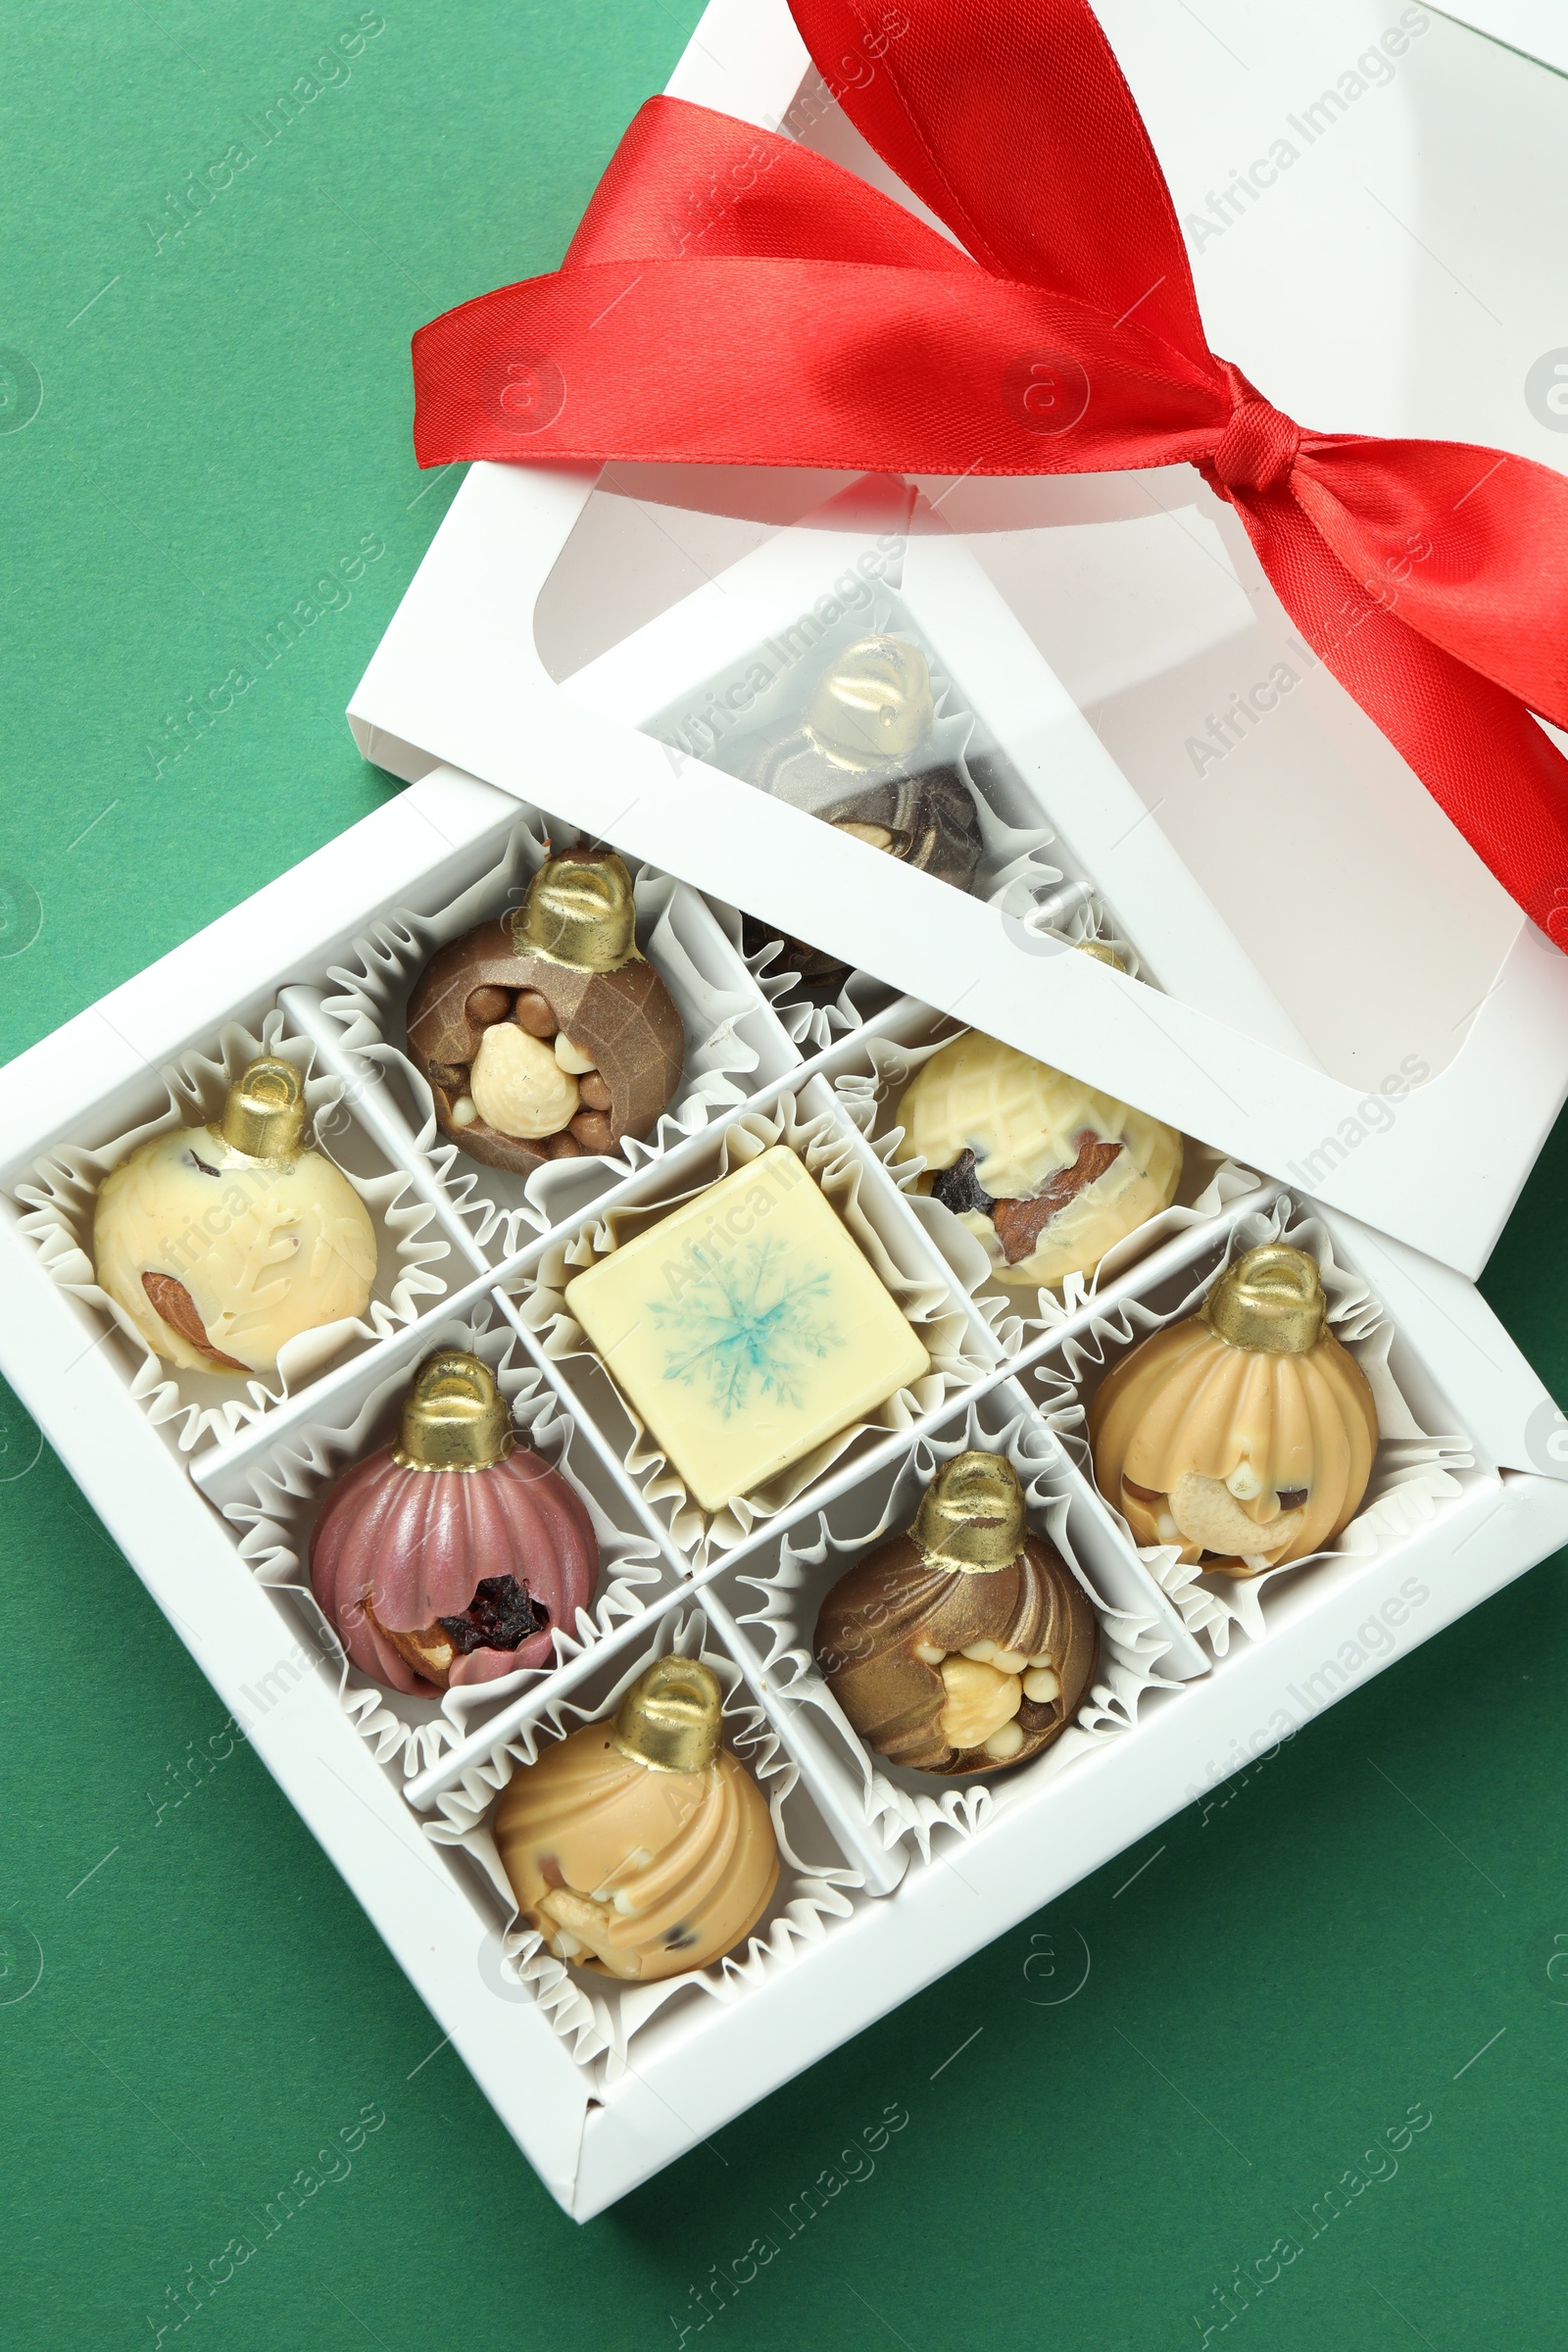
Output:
[[750, 1322]]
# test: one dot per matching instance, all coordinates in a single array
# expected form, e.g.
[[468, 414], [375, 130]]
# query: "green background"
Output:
[[193, 435]]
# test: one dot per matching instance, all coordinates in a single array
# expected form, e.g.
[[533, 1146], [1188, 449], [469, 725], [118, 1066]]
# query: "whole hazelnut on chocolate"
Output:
[[966, 1643], [545, 1034]]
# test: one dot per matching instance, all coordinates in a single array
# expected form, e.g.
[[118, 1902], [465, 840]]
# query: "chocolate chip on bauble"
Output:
[[533, 1013], [487, 1004]]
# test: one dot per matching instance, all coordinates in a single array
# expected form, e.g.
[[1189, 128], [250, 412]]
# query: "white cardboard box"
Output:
[[593, 2126], [597, 2106]]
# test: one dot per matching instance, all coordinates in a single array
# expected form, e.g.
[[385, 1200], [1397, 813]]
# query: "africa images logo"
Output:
[[1046, 391], [1547, 391], [524, 391], [20, 391]]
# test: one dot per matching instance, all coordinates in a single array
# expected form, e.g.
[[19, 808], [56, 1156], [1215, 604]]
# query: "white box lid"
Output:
[[1333, 297]]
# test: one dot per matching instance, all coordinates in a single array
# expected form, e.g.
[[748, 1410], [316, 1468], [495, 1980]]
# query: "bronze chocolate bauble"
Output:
[[966, 1643], [546, 1034]]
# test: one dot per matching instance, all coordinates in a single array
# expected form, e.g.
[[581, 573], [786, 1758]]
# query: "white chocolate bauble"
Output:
[[265, 1249], [1025, 1122]]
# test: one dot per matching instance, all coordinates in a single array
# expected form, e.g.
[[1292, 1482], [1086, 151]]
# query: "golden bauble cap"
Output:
[[1271, 1302], [873, 703], [971, 1519], [264, 1114], [672, 1717], [579, 912], [455, 1417], [1102, 952]]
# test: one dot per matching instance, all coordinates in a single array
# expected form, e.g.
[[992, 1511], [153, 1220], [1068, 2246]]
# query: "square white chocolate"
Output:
[[747, 1328]]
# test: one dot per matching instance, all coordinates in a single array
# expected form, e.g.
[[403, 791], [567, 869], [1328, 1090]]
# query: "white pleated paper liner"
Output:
[[287, 1488], [900, 1801], [851, 1178], [1413, 1472], [60, 1191], [372, 990], [596, 2016], [870, 1089]]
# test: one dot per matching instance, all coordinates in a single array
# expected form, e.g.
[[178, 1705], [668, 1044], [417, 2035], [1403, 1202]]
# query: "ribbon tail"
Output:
[[1489, 766]]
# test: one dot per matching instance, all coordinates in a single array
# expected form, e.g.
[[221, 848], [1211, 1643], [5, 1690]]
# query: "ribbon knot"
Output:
[[1257, 448]]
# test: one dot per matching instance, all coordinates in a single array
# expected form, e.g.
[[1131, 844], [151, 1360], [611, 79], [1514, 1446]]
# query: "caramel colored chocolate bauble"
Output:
[[546, 1034], [1244, 1435], [966, 1643], [1045, 1172], [224, 1242], [641, 1847], [451, 1556]]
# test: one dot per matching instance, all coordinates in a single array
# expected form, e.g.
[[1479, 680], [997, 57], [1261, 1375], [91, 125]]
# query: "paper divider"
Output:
[[377, 1111]]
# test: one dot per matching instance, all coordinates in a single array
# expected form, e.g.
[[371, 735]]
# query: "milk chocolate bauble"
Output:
[[224, 1242], [451, 1556], [641, 1847], [1047, 1172], [967, 1642], [1246, 1434], [864, 762], [546, 1034]]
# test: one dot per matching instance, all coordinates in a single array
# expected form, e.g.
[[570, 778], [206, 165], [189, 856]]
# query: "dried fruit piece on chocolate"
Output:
[[960, 1188], [1047, 1172], [501, 1616]]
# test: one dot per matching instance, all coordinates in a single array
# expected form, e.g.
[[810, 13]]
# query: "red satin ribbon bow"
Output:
[[731, 298]]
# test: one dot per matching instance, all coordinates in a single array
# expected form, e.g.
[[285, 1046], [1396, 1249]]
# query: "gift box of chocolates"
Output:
[[699, 1327]]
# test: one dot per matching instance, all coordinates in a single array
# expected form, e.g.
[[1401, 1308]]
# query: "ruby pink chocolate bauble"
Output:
[[451, 1556]]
